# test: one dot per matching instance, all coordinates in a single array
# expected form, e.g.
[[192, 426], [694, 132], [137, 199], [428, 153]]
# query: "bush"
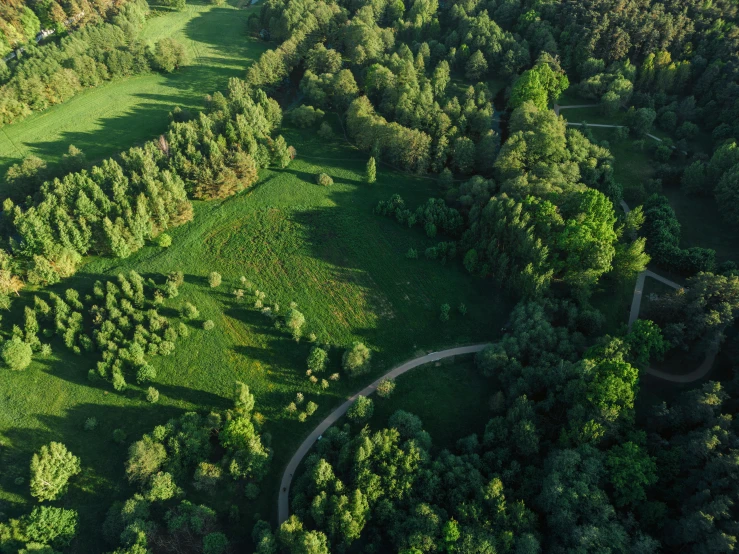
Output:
[[119, 435], [306, 116], [214, 279], [310, 408], [152, 395], [208, 324], [325, 131], [324, 180], [189, 311], [215, 543], [356, 360], [17, 354], [385, 388], [51, 470], [444, 315], [145, 373], [90, 424], [164, 240], [169, 55], [317, 359], [412, 254], [361, 411]]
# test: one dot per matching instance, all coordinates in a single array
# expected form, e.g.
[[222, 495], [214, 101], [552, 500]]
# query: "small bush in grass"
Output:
[[317, 359], [412, 254], [189, 311], [324, 384], [361, 410], [90, 424], [251, 491], [45, 350], [119, 383], [385, 388], [310, 408], [334, 377], [462, 309], [145, 373], [324, 179], [444, 315], [291, 408], [208, 324], [119, 435], [164, 240], [299, 398], [325, 131], [152, 395], [214, 279], [302, 417]]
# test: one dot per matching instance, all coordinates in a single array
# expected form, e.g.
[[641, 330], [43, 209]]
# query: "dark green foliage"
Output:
[[50, 525], [361, 411]]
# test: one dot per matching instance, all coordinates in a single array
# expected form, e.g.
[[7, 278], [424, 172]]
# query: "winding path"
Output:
[[283, 507]]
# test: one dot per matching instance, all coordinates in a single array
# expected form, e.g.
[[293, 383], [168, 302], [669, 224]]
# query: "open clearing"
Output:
[[113, 117], [318, 246]]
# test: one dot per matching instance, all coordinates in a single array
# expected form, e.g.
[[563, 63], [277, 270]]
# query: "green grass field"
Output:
[[105, 120], [318, 246], [451, 397]]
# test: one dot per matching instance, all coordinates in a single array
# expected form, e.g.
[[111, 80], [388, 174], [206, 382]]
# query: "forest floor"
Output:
[[321, 247], [105, 120]]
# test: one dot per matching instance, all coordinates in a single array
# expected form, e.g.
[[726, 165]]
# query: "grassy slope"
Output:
[[321, 247], [105, 120]]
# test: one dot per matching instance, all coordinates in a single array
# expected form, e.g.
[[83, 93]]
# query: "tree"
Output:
[[476, 66], [169, 55], [215, 543], [371, 170], [145, 457], [17, 354], [152, 395], [727, 196], [356, 359], [324, 179], [51, 469], [317, 359], [361, 411], [295, 321], [641, 121], [631, 471], [385, 388], [214, 279], [281, 155], [243, 399], [50, 525], [444, 315]]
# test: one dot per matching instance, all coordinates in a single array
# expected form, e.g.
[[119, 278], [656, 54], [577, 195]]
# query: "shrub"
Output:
[[145, 373], [306, 116], [361, 411], [90, 424], [462, 308], [162, 487], [152, 395], [356, 360], [214, 279], [302, 417], [17, 354], [324, 180], [317, 359], [444, 315], [119, 435], [215, 543], [119, 383], [164, 240], [325, 131], [208, 324], [412, 254], [310, 408], [385, 388], [189, 311]]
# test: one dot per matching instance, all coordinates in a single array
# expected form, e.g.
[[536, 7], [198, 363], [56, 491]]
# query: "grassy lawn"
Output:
[[105, 120], [451, 398], [702, 225], [318, 246]]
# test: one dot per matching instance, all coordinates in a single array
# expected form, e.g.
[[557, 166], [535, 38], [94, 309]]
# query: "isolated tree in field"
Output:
[[385, 388], [281, 156], [317, 359], [294, 322], [214, 279], [356, 360], [164, 240], [51, 469], [361, 411], [189, 311], [152, 395], [371, 170], [169, 55], [324, 179], [17, 354]]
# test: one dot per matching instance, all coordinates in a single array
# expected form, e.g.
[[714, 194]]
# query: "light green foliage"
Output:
[[444, 312], [324, 179], [371, 170], [317, 359], [164, 240], [51, 525], [51, 469], [214, 279], [162, 487], [152, 395], [208, 325], [145, 457], [385, 388], [361, 411], [295, 321], [356, 359], [16, 354]]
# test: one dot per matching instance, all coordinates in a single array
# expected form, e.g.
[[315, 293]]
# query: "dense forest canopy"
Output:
[[460, 92]]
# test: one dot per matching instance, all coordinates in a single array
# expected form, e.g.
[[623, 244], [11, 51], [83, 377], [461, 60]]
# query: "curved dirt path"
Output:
[[283, 507]]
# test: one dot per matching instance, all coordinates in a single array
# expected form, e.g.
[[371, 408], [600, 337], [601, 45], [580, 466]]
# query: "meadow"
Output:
[[103, 121], [321, 247]]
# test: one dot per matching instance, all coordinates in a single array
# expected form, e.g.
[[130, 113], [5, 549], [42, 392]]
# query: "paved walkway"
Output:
[[557, 107], [283, 507]]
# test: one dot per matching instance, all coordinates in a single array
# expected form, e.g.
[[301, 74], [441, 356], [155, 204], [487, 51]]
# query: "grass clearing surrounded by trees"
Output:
[[104, 120], [321, 247]]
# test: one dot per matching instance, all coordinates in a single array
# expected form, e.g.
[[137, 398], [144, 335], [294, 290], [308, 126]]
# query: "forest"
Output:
[[387, 181]]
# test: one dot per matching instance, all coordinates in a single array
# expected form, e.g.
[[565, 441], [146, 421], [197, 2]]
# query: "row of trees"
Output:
[[53, 73]]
